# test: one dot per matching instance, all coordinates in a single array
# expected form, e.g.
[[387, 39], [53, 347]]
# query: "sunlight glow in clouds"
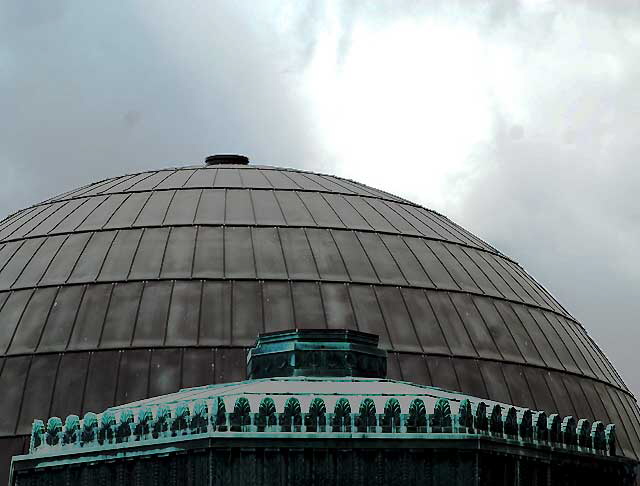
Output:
[[416, 94]]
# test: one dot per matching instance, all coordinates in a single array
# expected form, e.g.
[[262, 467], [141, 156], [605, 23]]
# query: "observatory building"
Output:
[[146, 284]]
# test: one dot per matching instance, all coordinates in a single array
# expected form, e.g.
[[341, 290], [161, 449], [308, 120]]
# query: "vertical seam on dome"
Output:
[[566, 390], [464, 326], [27, 220], [345, 285], [482, 378], [115, 181], [506, 384], [231, 313], [442, 230], [55, 383], [366, 254], [142, 208], [193, 171], [413, 324], [181, 368], [621, 421], [574, 334], [80, 253], [75, 317], [346, 198], [166, 321], [499, 262], [149, 176], [605, 360], [508, 328], [633, 414], [384, 320], [195, 213], [394, 259], [306, 208], [113, 213], [464, 269], [44, 272], [149, 361], [562, 341], [587, 401], [424, 358], [435, 316], [261, 287], [106, 255], [454, 229], [86, 381], [535, 346], [442, 264], [166, 211], [481, 255], [545, 298], [253, 209], [114, 397], [164, 253], [275, 197], [403, 242], [15, 217], [595, 355], [342, 259], [493, 340], [284, 258], [104, 197], [22, 394], [46, 319], [382, 216], [293, 305], [310, 179], [57, 207], [215, 176], [63, 219], [394, 210], [201, 299], [25, 265], [324, 309], [137, 316], [540, 287], [135, 253], [15, 329], [546, 338], [106, 313], [286, 176], [473, 262]]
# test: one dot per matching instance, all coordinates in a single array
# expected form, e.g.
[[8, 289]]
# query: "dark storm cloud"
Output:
[[90, 90]]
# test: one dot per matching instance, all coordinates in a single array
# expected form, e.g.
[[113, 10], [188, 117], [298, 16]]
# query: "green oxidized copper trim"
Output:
[[326, 352], [200, 417], [318, 410]]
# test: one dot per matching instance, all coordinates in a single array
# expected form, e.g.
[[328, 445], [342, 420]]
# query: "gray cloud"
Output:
[[92, 90], [89, 91]]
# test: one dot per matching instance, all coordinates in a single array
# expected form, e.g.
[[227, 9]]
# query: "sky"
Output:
[[517, 119]]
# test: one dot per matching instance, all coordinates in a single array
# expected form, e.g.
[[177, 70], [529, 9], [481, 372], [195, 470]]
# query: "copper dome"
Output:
[[139, 285]]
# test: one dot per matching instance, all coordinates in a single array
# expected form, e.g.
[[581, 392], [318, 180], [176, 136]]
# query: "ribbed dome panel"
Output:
[[139, 285]]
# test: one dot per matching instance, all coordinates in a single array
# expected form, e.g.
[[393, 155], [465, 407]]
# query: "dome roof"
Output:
[[136, 286]]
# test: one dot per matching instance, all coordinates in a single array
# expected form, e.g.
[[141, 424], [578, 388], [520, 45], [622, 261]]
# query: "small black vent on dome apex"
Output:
[[220, 159]]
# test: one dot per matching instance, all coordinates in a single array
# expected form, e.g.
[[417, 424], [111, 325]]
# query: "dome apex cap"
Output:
[[223, 159]]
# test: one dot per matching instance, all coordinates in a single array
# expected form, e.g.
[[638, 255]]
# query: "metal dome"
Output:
[[139, 285]]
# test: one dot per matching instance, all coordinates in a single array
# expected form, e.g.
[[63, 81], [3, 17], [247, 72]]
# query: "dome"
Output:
[[139, 285]]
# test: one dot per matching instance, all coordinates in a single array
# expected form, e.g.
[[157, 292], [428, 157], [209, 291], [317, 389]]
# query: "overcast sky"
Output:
[[517, 120]]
